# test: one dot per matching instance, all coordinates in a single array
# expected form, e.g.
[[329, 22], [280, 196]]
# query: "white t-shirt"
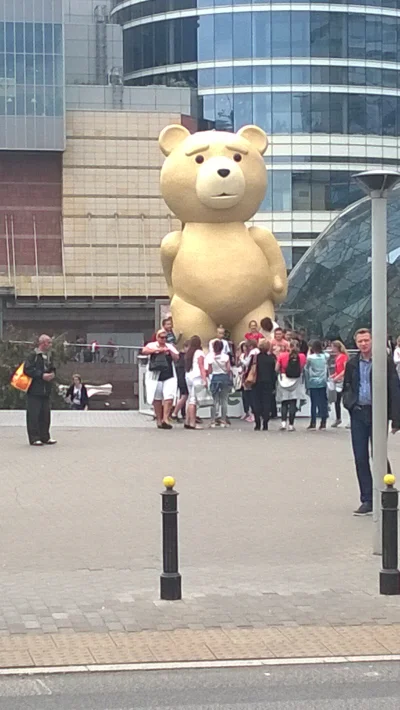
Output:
[[195, 371], [396, 355], [77, 393], [219, 363], [225, 345]]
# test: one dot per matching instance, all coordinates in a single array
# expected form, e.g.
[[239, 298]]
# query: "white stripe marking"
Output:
[[193, 665]]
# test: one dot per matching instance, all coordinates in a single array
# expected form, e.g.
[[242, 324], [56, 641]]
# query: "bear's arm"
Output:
[[169, 249], [271, 250]]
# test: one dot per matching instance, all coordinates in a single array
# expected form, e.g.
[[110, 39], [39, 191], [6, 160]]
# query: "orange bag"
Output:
[[21, 381]]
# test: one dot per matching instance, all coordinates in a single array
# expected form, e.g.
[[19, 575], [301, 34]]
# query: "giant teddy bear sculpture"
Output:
[[218, 270]]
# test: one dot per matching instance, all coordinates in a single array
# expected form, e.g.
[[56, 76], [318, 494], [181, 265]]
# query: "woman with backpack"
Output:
[[290, 389]]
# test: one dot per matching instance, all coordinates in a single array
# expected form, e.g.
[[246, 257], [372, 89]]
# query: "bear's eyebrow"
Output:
[[198, 149], [236, 149]]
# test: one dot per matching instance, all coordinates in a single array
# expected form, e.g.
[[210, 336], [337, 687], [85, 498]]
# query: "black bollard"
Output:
[[170, 579], [389, 578]]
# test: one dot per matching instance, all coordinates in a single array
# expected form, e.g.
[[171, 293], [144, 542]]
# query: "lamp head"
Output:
[[381, 181]]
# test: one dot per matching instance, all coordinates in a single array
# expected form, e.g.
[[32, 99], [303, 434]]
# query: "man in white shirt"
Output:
[[220, 336]]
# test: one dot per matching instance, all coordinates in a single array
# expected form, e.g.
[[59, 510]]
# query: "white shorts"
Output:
[[192, 383], [165, 390]]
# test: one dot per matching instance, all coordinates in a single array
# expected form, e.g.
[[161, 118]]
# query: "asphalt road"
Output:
[[337, 687]]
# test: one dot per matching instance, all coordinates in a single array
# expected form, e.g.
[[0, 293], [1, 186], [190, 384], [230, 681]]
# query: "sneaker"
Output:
[[364, 509], [50, 442], [291, 427], [223, 425], [283, 426], [214, 425], [250, 419], [322, 426], [311, 427], [37, 443], [336, 423], [244, 417]]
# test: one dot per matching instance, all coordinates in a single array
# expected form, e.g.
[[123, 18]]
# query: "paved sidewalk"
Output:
[[185, 645], [268, 542]]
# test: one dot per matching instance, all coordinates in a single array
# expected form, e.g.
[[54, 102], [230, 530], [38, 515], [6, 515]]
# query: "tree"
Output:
[[13, 351]]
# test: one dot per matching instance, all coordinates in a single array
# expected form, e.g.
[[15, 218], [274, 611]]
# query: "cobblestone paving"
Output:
[[267, 540]]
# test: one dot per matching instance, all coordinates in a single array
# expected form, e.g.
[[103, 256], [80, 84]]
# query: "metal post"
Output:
[[170, 579], [379, 356], [389, 578]]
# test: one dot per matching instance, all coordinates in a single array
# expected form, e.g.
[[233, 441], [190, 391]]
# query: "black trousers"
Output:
[[338, 408], [361, 439], [38, 415], [262, 395], [289, 405]]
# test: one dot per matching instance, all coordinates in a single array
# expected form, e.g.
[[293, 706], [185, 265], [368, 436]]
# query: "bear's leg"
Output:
[[242, 327], [190, 320]]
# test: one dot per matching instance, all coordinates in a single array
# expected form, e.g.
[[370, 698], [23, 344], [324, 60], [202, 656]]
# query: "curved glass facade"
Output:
[[301, 71], [331, 286]]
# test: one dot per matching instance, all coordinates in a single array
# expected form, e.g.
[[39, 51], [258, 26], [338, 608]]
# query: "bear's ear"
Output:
[[171, 136], [256, 136]]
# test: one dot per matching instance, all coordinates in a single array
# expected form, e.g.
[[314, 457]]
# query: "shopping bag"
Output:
[[21, 381], [332, 394], [204, 397]]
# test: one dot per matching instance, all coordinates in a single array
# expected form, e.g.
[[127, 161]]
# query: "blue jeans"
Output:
[[361, 436], [319, 404]]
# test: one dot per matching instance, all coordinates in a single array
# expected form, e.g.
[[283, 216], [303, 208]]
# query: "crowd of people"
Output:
[[270, 367]]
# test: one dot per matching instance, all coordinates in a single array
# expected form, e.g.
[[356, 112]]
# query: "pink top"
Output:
[[283, 361], [254, 336], [279, 346]]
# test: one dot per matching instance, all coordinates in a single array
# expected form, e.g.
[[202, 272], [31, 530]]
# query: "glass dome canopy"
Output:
[[330, 288]]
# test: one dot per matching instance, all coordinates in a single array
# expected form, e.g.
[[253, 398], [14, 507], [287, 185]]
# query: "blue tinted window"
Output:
[[281, 113], [356, 38], [280, 22], [10, 66], [223, 76], [48, 70], [242, 35], [20, 104], [223, 36], [389, 78], [301, 75], [59, 101], [160, 43], [10, 46], [58, 40], [2, 40], [39, 101], [224, 114], [20, 69], [356, 76], [301, 113], [205, 34], [337, 76], [48, 38], [261, 34], [206, 78], [282, 190], [320, 122], [262, 111], [39, 43], [208, 105], [319, 189], [373, 114], [320, 75], [373, 47], [281, 75], [338, 35], [242, 76], [29, 37], [49, 101], [356, 117], [29, 69], [389, 39], [19, 36], [300, 39], [59, 69], [389, 105], [2, 66], [319, 34], [243, 110], [301, 190], [262, 76], [338, 113], [39, 70], [373, 77]]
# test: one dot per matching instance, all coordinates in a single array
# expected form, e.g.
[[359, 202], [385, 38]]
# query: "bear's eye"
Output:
[[237, 157], [199, 159]]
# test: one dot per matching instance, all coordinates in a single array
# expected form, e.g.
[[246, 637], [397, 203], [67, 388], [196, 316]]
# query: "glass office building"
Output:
[[330, 288], [31, 75], [323, 79]]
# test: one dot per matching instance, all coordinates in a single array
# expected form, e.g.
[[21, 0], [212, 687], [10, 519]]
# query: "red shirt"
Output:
[[283, 361], [279, 346], [254, 336], [340, 363]]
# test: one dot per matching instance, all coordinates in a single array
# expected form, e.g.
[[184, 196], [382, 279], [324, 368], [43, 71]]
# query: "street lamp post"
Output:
[[377, 184]]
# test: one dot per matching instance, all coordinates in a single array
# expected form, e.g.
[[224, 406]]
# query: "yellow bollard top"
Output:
[[169, 481], [389, 479]]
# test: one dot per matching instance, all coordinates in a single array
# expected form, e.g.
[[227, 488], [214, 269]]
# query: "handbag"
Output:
[[20, 381], [251, 377], [158, 362], [203, 396], [332, 395]]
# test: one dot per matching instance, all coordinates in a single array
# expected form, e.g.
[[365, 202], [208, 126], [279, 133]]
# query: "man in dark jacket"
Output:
[[39, 366], [357, 398]]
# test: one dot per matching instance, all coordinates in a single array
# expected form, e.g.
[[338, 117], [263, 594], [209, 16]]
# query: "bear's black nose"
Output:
[[224, 172]]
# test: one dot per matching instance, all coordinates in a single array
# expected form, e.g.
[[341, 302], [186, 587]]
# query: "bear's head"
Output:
[[213, 176]]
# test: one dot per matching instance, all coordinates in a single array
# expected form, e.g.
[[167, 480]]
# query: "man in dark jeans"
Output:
[[357, 398], [39, 366]]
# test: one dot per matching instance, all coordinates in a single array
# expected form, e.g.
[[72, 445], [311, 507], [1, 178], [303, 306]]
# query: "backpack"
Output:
[[293, 369]]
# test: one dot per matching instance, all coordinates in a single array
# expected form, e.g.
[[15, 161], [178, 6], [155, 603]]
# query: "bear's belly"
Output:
[[227, 282]]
